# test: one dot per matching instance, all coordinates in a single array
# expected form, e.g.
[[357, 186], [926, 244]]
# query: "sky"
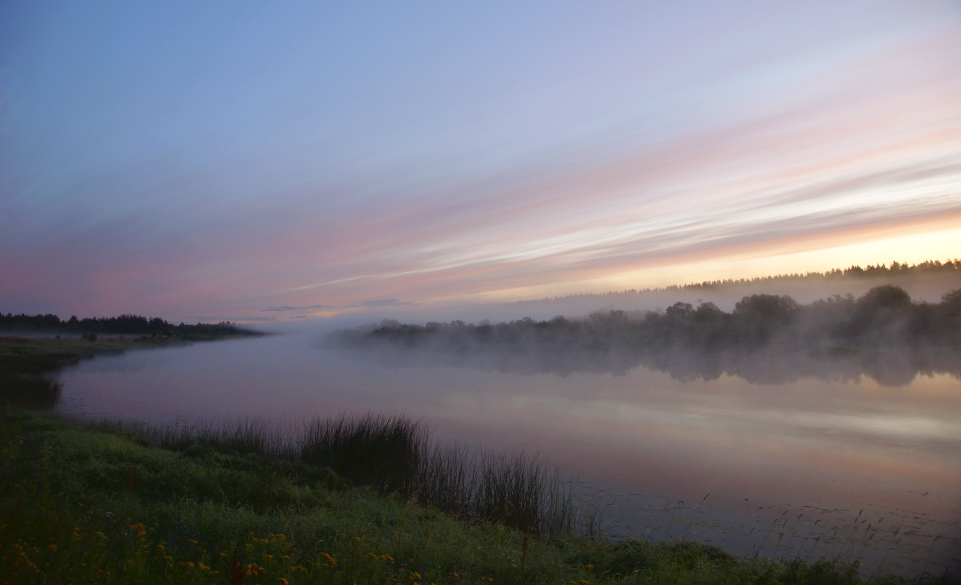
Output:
[[250, 161]]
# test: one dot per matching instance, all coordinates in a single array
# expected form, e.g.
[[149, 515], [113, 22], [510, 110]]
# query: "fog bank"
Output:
[[766, 339]]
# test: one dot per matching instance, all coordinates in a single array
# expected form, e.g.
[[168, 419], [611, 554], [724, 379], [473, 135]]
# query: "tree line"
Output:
[[120, 325], [896, 269], [885, 315], [871, 271]]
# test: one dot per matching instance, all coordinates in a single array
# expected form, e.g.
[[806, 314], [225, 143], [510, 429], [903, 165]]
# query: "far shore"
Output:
[[30, 361]]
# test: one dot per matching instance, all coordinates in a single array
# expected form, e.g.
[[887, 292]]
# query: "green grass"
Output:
[[37, 355], [390, 455], [28, 365], [82, 505]]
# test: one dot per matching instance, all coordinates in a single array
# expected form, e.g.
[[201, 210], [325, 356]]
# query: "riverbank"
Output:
[[83, 505], [29, 363]]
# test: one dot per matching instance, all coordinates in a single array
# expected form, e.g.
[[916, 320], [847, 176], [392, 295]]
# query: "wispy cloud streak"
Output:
[[561, 164]]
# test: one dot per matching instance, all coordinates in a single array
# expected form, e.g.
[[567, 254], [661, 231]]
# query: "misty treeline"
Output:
[[121, 325], [767, 339], [885, 315]]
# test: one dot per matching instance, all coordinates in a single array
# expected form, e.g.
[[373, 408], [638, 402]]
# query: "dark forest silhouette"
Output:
[[121, 325], [28, 365]]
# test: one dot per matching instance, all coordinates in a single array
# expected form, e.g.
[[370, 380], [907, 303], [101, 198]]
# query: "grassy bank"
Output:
[[391, 455], [28, 365], [82, 505]]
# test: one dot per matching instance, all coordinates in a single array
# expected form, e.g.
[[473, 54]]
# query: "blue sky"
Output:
[[217, 160]]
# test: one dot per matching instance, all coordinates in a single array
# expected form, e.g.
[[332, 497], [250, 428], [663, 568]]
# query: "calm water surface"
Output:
[[837, 465]]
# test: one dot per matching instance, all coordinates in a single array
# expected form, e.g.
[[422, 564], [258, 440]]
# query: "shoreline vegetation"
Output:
[[885, 316], [767, 339], [33, 349], [113, 502], [90, 327]]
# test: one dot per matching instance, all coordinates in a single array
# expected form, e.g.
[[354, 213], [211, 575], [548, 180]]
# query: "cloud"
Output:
[[383, 303], [306, 308], [837, 141]]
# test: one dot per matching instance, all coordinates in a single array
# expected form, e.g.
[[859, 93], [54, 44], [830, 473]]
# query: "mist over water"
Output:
[[927, 287], [892, 366], [781, 456]]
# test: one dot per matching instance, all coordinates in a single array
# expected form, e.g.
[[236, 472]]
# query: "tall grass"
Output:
[[392, 454], [513, 488], [384, 452], [244, 435]]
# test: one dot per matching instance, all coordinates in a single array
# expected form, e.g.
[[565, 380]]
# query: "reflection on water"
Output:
[[888, 366], [855, 455], [34, 392]]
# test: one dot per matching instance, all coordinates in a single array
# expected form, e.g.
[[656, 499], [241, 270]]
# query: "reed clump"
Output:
[[391, 454], [513, 488], [385, 452], [397, 454]]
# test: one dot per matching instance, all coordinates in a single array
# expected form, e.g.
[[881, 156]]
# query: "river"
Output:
[[751, 454]]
